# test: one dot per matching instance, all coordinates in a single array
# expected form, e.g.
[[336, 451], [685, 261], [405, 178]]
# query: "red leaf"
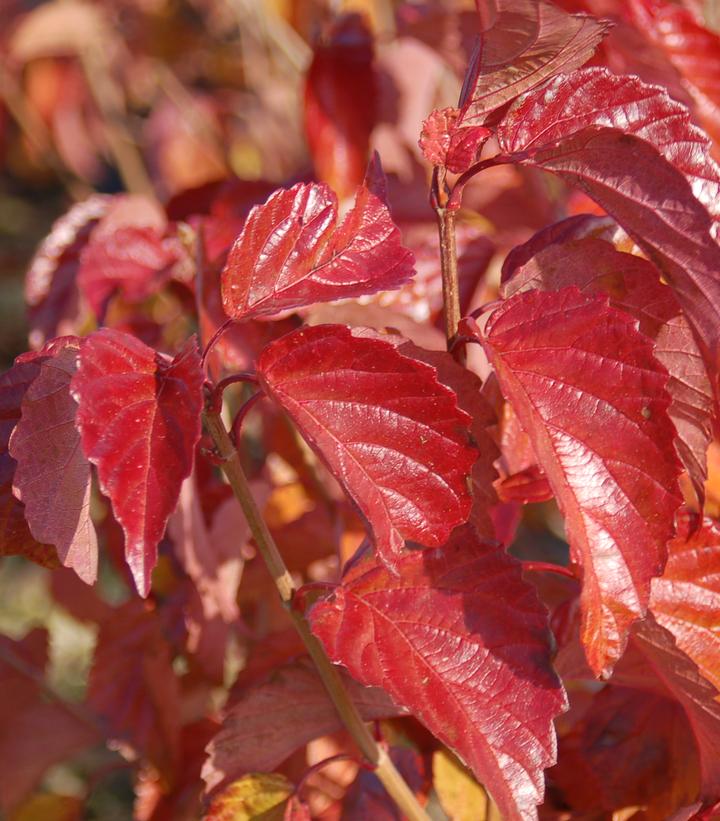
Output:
[[51, 292], [389, 432], [653, 201], [693, 49], [15, 536], [133, 687], [340, 103], [461, 641], [629, 749], [36, 733], [588, 392], [367, 798], [593, 97], [686, 599], [205, 559], [529, 41], [52, 477], [292, 252], [468, 388], [133, 260], [679, 676], [444, 143], [139, 421], [633, 285], [273, 719]]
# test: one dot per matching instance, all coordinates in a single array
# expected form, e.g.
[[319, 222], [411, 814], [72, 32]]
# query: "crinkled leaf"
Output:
[[686, 599], [133, 687], [259, 796], [386, 428], [589, 97], [139, 420], [467, 387], [51, 292], [52, 477], [270, 720], [461, 641], [634, 286], [292, 252], [444, 143], [527, 42], [133, 260], [691, 48], [15, 536], [653, 201], [592, 398]]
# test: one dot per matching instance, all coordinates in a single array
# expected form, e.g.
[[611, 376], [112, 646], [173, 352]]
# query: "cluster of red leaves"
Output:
[[392, 476]]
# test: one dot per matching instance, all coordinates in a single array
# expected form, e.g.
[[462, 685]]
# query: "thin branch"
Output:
[[328, 672], [548, 567], [449, 267], [457, 191], [213, 340], [216, 396]]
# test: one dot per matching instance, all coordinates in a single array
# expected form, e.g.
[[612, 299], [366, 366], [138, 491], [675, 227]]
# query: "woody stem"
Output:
[[328, 672]]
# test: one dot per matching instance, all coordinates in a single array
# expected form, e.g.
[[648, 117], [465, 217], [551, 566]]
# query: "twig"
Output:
[[328, 672], [549, 567], [449, 267]]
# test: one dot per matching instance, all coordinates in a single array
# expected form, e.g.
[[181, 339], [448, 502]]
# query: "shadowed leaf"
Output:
[[52, 477], [461, 641]]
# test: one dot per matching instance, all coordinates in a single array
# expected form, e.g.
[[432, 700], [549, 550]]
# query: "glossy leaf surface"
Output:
[[292, 252], [692, 49], [461, 641], [633, 285], [52, 477], [653, 202], [444, 143], [390, 433], [139, 420], [524, 44], [686, 598], [593, 97], [590, 395]]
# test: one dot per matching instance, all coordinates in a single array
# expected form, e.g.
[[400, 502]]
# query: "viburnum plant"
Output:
[[590, 378]]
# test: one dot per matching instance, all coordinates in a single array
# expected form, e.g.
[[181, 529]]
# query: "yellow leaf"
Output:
[[48, 807], [462, 798], [254, 797]]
